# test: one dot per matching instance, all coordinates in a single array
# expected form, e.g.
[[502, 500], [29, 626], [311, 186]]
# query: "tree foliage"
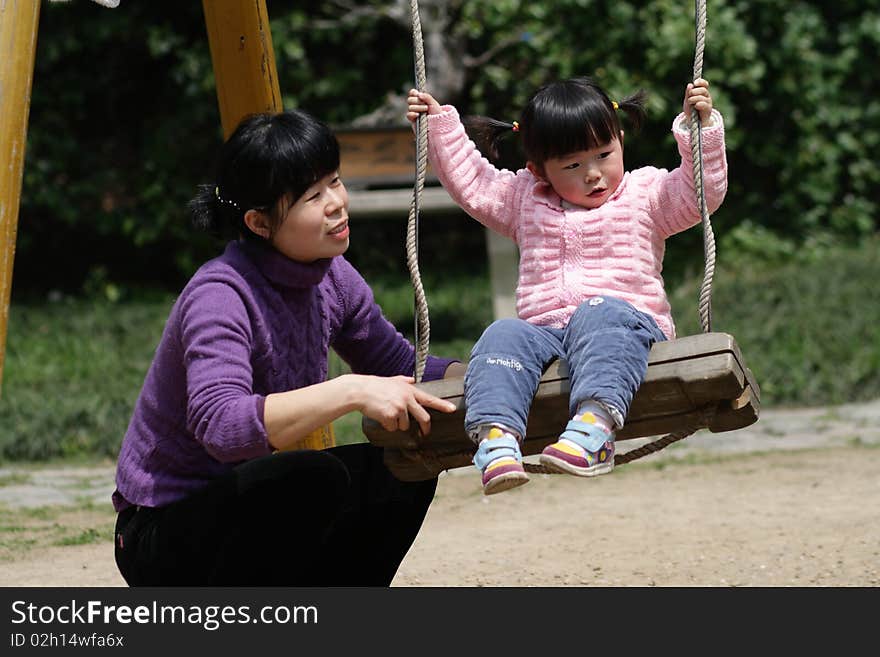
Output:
[[124, 119]]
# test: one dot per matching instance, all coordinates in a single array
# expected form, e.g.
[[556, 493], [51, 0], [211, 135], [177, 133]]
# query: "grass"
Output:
[[808, 328], [26, 529], [73, 370], [14, 479]]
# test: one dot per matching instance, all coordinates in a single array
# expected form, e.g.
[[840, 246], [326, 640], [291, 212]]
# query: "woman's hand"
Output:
[[291, 416], [391, 400], [697, 96], [420, 102]]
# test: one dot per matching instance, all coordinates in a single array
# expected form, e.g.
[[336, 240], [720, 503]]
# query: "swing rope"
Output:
[[697, 157], [422, 329], [422, 323]]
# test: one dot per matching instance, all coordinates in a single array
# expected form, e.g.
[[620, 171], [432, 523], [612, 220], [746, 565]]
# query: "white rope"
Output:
[[697, 155], [422, 322]]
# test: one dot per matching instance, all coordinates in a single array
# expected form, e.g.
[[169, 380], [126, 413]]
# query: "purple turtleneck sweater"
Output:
[[249, 323]]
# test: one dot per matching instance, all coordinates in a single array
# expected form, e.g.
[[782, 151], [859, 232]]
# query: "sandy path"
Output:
[[795, 518], [792, 501]]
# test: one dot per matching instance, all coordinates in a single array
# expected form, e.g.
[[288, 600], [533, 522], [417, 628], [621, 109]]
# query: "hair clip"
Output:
[[223, 200], [615, 105], [516, 126]]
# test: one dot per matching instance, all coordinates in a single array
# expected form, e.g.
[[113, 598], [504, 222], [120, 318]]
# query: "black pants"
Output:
[[309, 518]]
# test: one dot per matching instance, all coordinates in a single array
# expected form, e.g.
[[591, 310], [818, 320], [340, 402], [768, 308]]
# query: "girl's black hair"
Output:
[[268, 162], [560, 118]]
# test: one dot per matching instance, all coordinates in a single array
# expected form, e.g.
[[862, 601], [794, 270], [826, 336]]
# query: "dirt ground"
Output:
[[792, 501]]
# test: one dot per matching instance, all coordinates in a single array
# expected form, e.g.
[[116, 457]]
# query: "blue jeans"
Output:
[[606, 345]]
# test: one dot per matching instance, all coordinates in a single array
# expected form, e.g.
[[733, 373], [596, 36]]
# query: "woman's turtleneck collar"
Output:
[[278, 268]]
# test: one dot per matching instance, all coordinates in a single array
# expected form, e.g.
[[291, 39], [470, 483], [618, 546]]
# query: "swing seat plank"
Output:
[[694, 382]]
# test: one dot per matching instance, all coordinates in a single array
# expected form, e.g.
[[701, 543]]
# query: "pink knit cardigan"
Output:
[[569, 254]]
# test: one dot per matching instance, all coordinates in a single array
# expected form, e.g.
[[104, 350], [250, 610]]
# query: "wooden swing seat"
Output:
[[695, 382]]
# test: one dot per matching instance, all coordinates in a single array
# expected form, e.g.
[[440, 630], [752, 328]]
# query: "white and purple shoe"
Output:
[[499, 460], [584, 449]]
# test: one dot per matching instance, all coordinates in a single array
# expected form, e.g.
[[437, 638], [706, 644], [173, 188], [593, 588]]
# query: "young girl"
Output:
[[240, 373], [591, 242]]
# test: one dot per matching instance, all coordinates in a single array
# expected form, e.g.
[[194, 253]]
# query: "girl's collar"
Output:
[[281, 270], [544, 193]]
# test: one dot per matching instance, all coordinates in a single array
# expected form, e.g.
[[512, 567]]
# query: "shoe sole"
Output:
[[505, 482], [555, 464]]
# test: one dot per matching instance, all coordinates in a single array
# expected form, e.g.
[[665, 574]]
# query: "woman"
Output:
[[207, 492]]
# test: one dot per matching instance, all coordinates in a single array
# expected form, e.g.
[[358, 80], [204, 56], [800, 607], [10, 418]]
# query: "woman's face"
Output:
[[316, 225]]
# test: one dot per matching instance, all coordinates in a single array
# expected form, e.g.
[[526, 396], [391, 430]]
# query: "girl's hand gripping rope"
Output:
[[697, 96], [420, 102]]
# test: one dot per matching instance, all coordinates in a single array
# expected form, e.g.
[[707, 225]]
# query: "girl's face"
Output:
[[316, 225], [585, 178]]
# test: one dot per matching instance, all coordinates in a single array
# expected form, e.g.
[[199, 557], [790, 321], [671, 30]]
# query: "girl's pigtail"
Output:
[[204, 209], [634, 108], [487, 133]]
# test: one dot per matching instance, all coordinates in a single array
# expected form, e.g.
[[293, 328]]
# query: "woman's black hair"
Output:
[[267, 159], [560, 118]]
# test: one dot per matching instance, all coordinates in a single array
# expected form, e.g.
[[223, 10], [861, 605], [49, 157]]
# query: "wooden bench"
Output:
[[699, 381]]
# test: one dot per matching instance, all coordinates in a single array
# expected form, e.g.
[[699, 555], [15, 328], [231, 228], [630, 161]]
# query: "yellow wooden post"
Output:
[[243, 59], [247, 82], [18, 45]]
